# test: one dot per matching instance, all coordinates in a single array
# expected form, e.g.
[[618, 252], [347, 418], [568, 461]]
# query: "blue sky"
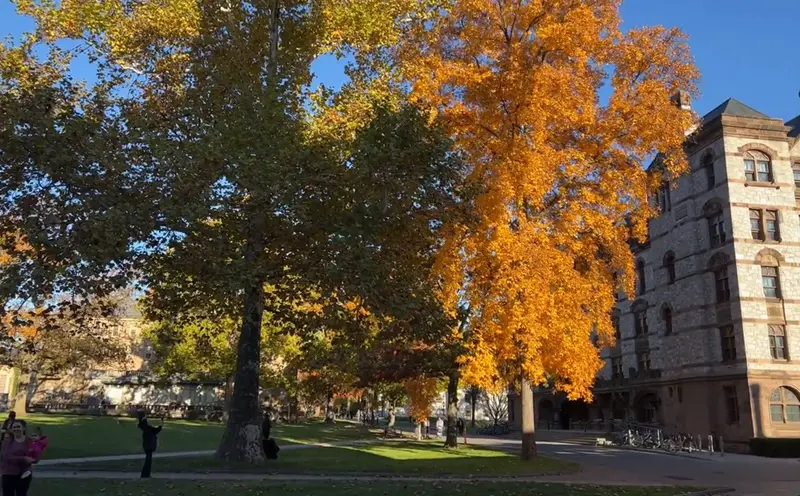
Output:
[[745, 49]]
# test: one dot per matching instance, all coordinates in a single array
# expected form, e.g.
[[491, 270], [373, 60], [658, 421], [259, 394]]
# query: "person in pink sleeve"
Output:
[[38, 445], [14, 461]]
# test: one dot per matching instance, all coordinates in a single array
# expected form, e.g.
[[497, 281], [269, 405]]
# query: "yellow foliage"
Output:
[[422, 392], [560, 171]]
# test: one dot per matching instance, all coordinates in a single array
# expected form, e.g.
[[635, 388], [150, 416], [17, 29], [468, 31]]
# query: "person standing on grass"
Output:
[[6, 430], [15, 460], [149, 443]]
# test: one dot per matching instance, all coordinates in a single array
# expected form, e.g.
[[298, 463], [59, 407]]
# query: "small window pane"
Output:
[[776, 395], [793, 413], [789, 396], [776, 413]]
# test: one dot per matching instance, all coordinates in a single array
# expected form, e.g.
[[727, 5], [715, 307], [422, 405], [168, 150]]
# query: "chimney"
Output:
[[682, 100]]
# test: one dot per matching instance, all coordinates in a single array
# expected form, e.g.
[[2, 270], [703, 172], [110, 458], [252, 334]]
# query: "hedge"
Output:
[[775, 448]]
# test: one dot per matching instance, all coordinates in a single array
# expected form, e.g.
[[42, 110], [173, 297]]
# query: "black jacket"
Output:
[[266, 426], [149, 435]]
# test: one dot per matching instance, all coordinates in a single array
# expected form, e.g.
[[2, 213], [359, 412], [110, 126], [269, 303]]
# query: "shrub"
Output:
[[775, 448]]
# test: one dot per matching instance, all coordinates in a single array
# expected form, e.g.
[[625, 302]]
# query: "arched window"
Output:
[[707, 162], [784, 406], [669, 267], [642, 284], [666, 316], [757, 166]]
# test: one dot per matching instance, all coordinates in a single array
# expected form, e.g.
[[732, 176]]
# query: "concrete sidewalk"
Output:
[[353, 477], [180, 454]]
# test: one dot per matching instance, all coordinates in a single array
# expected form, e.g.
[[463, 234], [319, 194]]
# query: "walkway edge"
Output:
[[712, 492], [543, 479]]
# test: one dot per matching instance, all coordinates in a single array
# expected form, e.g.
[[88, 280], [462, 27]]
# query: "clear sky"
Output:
[[745, 49]]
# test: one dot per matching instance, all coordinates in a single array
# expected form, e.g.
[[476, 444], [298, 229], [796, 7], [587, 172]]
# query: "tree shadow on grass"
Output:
[[384, 458]]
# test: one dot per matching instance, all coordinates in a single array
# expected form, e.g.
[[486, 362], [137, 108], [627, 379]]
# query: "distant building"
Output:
[[128, 384], [710, 343]]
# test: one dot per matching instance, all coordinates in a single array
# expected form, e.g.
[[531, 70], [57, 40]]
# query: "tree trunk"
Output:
[[329, 414], [452, 411], [528, 423], [473, 400], [419, 431], [228, 396], [241, 440]]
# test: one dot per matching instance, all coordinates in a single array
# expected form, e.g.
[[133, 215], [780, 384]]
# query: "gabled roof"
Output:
[[794, 127], [734, 108]]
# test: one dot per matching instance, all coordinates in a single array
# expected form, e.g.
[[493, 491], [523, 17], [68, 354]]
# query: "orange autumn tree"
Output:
[[422, 392], [556, 111]]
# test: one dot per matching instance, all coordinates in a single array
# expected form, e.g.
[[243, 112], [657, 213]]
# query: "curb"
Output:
[[712, 492], [660, 452]]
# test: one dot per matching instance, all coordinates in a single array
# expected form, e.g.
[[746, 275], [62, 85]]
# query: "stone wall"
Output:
[[689, 359]]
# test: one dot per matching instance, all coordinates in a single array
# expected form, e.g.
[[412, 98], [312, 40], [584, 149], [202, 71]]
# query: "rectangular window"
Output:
[[728, 342], [755, 224], [722, 286], [716, 230], [763, 171], [750, 170], [643, 361], [771, 225], [777, 342], [731, 404], [793, 413], [796, 174], [617, 331], [641, 323], [769, 278], [616, 368]]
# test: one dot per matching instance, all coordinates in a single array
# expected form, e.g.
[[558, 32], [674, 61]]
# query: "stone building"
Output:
[[711, 341]]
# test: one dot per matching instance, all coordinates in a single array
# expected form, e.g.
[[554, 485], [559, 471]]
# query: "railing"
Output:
[[638, 435]]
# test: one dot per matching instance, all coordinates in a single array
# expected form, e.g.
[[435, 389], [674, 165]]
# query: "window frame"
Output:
[[617, 369], [708, 165], [641, 277], [640, 323], [757, 216], [722, 287], [716, 229], [767, 272], [666, 316], [669, 265], [643, 363], [782, 403], [727, 338], [754, 174], [775, 331], [795, 173], [777, 230], [731, 397]]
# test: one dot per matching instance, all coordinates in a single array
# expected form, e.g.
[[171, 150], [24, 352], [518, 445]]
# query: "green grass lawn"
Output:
[[80, 436], [406, 457], [70, 487]]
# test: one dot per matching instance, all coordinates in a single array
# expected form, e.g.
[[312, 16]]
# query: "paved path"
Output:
[[324, 478], [749, 475], [180, 454]]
